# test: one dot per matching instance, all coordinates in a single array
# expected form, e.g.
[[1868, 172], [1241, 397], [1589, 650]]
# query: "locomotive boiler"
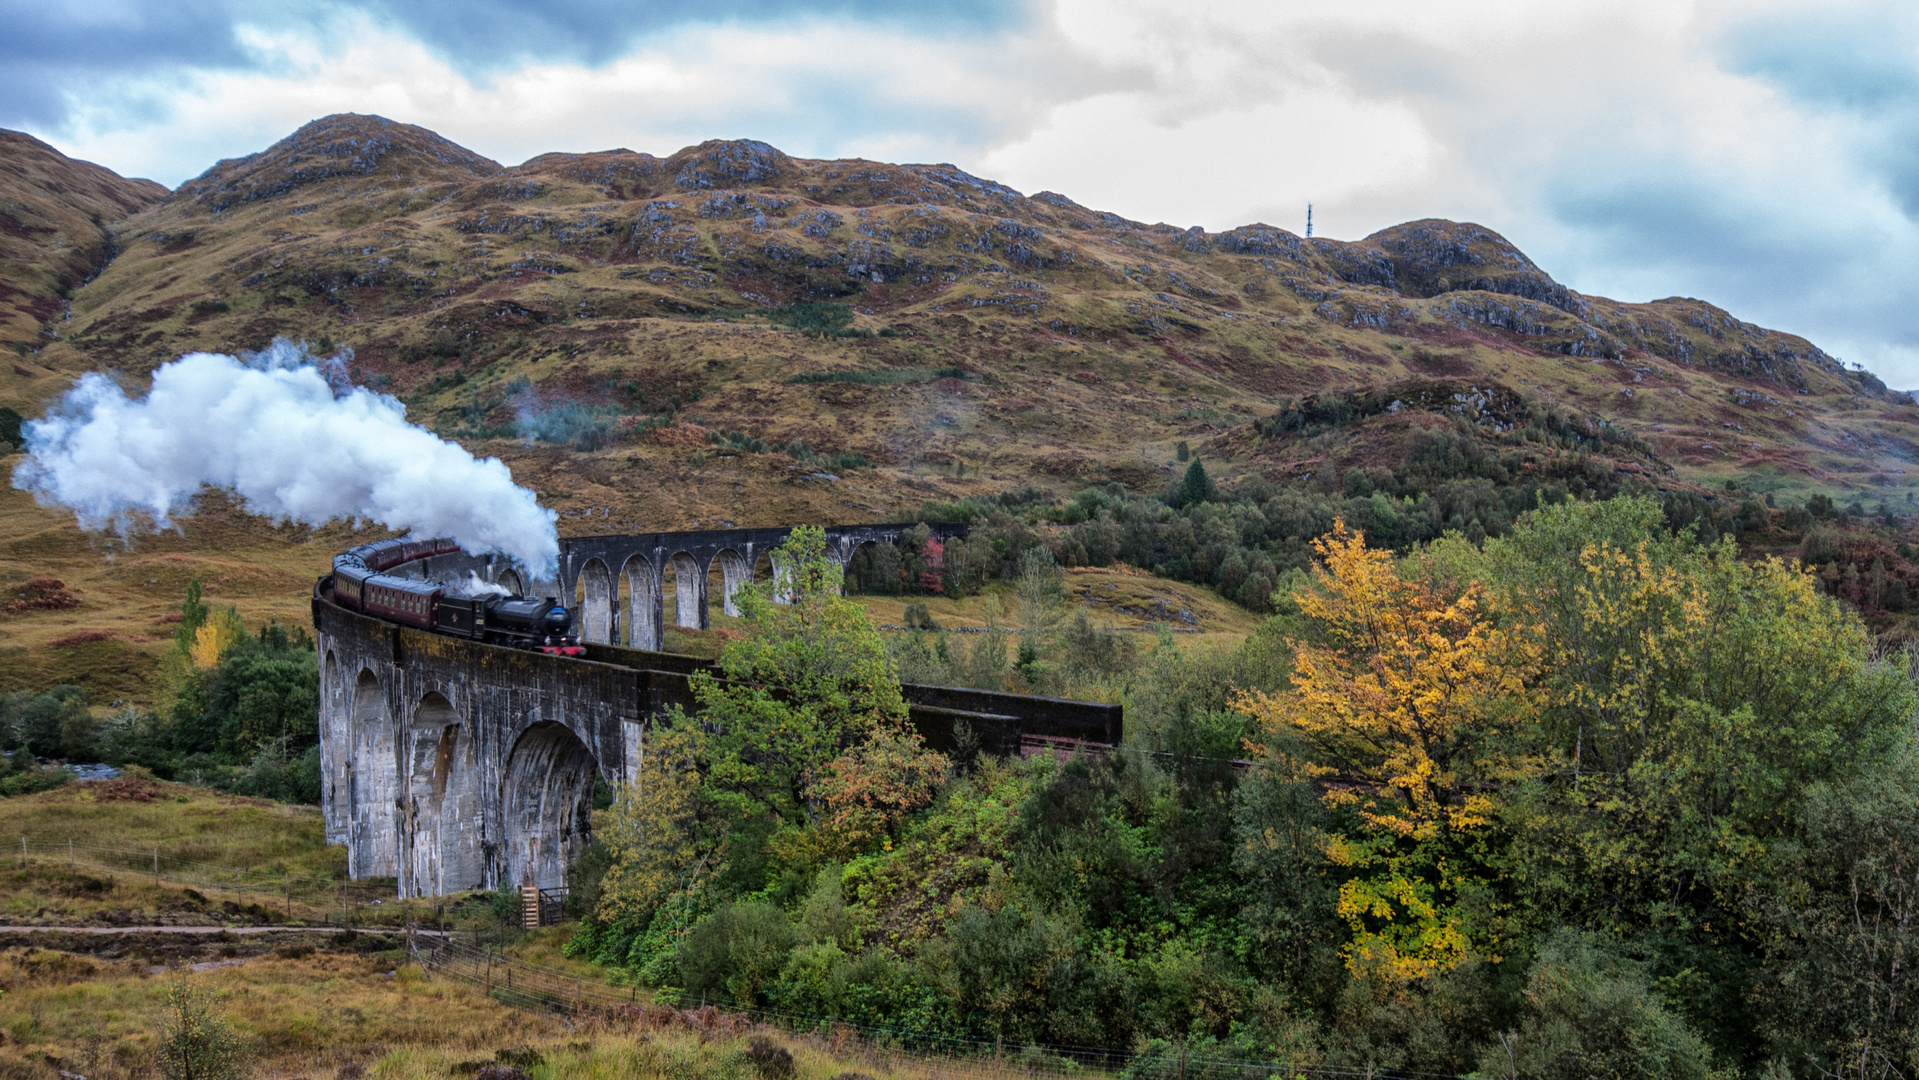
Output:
[[359, 582]]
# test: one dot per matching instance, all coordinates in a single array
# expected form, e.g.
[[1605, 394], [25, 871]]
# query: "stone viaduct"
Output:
[[449, 764]]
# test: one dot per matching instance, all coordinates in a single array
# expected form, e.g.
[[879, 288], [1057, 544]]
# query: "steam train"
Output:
[[359, 582]]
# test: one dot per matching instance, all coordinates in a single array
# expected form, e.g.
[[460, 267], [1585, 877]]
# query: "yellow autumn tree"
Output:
[[1397, 703], [214, 637]]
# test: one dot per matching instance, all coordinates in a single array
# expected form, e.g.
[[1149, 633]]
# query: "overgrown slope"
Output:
[[721, 336]]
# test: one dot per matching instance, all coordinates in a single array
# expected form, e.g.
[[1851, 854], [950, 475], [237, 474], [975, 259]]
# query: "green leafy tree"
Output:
[[1693, 698], [1042, 595], [736, 951], [193, 615], [54, 724], [810, 681], [265, 690], [798, 750]]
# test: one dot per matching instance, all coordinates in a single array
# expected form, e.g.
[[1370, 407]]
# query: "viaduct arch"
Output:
[[450, 764], [619, 582]]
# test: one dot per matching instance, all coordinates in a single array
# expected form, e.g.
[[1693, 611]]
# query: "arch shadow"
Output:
[[642, 603], [596, 602], [733, 573], [372, 775], [689, 590], [546, 802], [442, 811]]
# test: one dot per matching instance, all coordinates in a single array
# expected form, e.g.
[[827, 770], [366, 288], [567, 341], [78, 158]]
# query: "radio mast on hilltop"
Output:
[[1309, 221]]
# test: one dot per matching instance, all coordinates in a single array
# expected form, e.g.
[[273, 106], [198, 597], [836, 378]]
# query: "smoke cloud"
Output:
[[474, 586], [272, 429]]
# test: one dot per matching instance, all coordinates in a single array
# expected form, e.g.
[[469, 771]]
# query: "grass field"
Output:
[[322, 1007], [185, 822], [346, 1015]]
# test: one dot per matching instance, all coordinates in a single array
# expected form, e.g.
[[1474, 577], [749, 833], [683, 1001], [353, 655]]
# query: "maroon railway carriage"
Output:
[[358, 582]]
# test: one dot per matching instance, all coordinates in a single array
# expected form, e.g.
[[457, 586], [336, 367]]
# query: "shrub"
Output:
[[273, 774], [1590, 1012], [43, 723], [1089, 649], [41, 594], [195, 1041], [775, 1062], [19, 775], [814, 317], [919, 618], [585, 428], [734, 952]]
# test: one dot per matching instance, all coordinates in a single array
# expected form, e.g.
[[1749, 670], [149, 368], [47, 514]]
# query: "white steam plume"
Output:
[[272, 430], [474, 586]]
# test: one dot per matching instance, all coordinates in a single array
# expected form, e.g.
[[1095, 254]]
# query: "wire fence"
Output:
[[261, 893], [530, 986], [271, 896]]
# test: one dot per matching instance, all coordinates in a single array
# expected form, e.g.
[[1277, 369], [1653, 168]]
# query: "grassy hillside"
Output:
[[732, 336], [56, 218], [1028, 336]]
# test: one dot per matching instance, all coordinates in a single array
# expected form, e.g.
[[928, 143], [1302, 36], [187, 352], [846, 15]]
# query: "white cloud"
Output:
[[817, 87]]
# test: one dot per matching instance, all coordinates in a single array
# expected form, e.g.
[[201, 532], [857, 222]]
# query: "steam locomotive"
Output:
[[359, 582]]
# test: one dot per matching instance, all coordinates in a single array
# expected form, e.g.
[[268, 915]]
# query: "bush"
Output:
[[263, 692], [919, 618], [195, 1041], [44, 723], [21, 775], [583, 878], [1087, 649], [506, 905], [273, 774], [736, 951], [1590, 1012], [1821, 545], [585, 428], [774, 1062], [814, 317], [10, 424]]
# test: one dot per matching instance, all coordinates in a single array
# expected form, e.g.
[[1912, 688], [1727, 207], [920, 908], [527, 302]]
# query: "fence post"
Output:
[[156, 867], [23, 852], [287, 880], [69, 854]]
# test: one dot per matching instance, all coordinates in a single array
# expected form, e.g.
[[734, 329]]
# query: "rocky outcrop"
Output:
[[1432, 257], [341, 146], [720, 163]]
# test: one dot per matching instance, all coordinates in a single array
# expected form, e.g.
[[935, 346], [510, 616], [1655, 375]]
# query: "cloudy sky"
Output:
[[1760, 154]]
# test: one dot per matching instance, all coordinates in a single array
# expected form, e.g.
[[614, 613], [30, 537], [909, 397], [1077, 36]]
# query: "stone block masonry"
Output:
[[449, 764]]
